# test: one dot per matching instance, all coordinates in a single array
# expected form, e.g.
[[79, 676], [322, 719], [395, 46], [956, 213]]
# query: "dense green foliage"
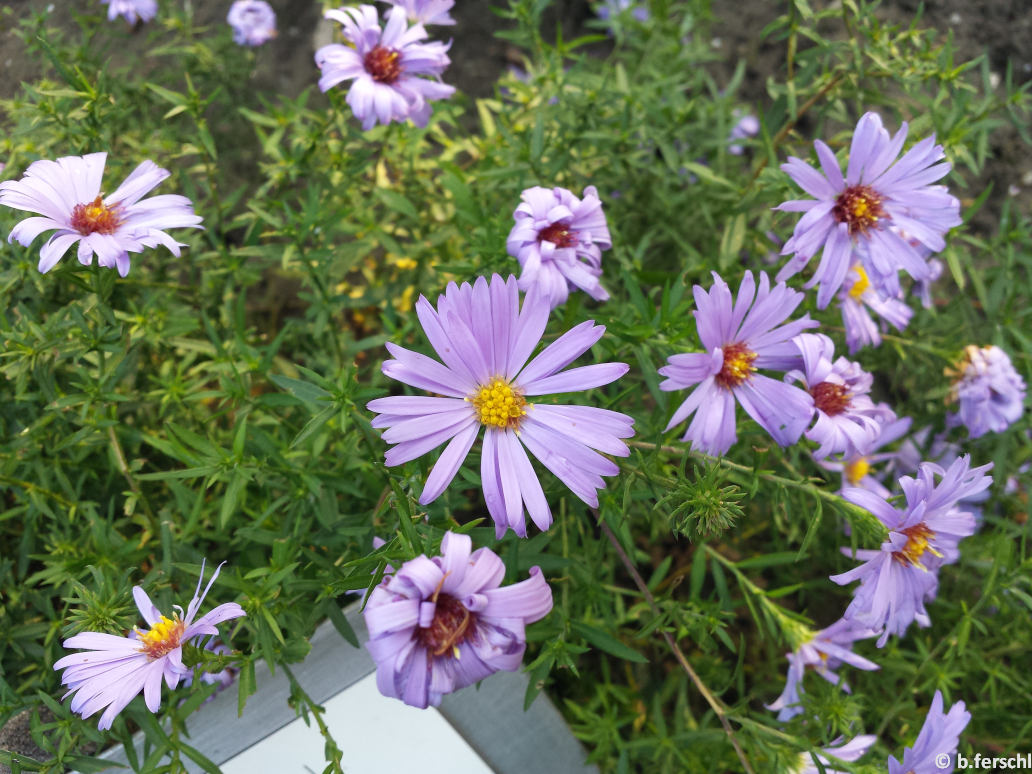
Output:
[[213, 406]]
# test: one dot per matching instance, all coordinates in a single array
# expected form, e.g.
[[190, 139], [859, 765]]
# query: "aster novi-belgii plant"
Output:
[[939, 737], [386, 67], [824, 652], [856, 297], [485, 340], [741, 336], [437, 625], [253, 22], [847, 420], [863, 214], [426, 11], [897, 579], [132, 11], [66, 193], [850, 751], [989, 392], [115, 669], [558, 240]]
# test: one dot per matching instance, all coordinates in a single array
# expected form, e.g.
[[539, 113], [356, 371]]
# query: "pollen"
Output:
[[859, 207], [918, 539], [830, 398], [499, 405], [558, 234], [162, 638], [860, 284], [95, 218], [738, 365], [383, 64], [857, 470]]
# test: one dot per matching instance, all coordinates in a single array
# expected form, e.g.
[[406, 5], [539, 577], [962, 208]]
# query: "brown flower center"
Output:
[[738, 365], [859, 206], [95, 218], [918, 538], [558, 234], [452, 625], [830, 398], [383, 64]]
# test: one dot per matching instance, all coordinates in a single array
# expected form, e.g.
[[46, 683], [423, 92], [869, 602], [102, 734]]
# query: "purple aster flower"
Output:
[[426, 11], [485, 340], [253, 22], [850, 751], [116, 669], [740, 337], [923, 288], [748, 126], [386, 66], [67, 194], [856, 297], [132, 11], [438, 625], [856, 469], [861, 214], [897, 579], [989, 393], [824, 652], [610, 8], [939, 736], [848, 421], [558, 240]]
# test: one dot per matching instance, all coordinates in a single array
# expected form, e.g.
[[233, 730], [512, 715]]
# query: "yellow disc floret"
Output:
[[162, 638], [856, 470], [918, 538], [738, 365], [498, 405], [860, 284]]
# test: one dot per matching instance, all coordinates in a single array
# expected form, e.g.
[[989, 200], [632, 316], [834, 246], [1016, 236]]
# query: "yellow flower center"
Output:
[[738, 365], [856, 470], [860, 284], [918, 538], [859, 207], [163, 637], [95, 218], [498, 405]]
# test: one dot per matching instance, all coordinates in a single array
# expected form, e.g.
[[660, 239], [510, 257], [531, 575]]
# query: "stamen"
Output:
[[859, 206], [558, 234], [383, 64], [918, 539], [738, 365], [499, 405], [452, 625], [95, 218], [830, 398], [163, 637]]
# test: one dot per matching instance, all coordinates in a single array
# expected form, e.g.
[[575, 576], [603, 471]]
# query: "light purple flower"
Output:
[[856, 470], [825, 652], [558, 240], [610, 8], [386, 66], [116, 669], [939, 736], [740, 337], [67, 194], [897, 579], [748, 126], [923, 288], [862, 214], [856, 297], [848, 421], [852, 750], [132, 10], [989, 393], [440, 624], [253, 22], [426, 11], [485, 340]]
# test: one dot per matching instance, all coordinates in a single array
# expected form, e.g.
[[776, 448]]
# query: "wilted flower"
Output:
[[848, 421], [132, 10], [437, 625], [738, 341], [850, 751], [558, 240], [824, 652], [897, 579], [862, 214], [990, 394], [386, 66], [426, 11], [939, 737], [67, 194], [485, 339], [856, 297], [748, 126], [253, 22], [118, 668]]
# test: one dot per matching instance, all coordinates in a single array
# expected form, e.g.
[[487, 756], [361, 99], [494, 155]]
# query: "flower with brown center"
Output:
[[96, 217], [559, 234], [738, 365], [830, 398], [383, 64], [859, 207]]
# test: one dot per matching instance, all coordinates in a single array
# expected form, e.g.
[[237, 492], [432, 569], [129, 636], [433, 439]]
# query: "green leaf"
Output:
[[606, 642]]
